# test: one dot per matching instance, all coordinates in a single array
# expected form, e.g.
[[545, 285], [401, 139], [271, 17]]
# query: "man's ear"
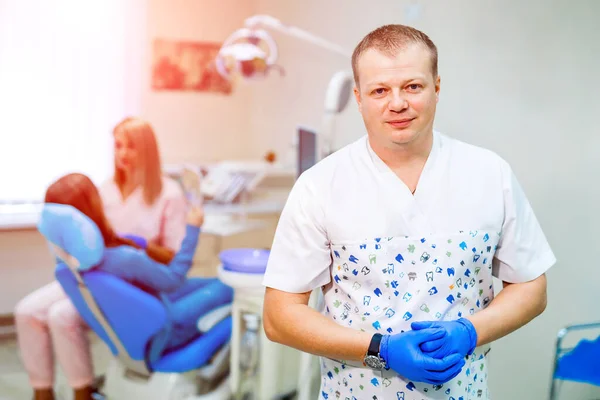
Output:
[[357, 97], [437, 89]]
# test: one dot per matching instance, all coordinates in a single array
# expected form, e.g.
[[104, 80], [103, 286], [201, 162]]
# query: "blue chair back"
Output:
[[134, 315]]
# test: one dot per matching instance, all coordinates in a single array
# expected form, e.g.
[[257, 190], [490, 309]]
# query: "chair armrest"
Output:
[[210, 319]]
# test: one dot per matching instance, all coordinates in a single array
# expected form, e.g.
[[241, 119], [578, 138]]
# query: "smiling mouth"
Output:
[[400, 123]]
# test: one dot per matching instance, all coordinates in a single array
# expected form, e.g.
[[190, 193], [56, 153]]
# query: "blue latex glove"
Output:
[[402, 353], [460, 338], [140, 241]]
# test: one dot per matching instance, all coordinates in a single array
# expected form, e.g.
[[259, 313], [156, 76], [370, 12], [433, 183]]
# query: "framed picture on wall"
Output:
[[186, 66]]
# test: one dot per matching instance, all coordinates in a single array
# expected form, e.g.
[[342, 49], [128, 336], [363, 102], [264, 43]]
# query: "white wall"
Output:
[[197, 126], [280, 104], [517, 77]]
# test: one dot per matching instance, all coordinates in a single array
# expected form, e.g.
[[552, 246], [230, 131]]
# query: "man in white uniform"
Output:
[[404, 230]]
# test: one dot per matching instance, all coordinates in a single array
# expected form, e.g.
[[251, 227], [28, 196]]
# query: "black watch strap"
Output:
[[374, 345]]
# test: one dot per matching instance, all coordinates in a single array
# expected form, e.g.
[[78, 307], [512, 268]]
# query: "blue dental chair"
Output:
[[134, 324], [579, 363]]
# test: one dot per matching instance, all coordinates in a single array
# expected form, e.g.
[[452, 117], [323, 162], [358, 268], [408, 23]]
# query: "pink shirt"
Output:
[[162, 222]]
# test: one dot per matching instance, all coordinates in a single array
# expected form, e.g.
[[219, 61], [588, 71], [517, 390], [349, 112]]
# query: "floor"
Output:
[[14, 384], [13, 379]]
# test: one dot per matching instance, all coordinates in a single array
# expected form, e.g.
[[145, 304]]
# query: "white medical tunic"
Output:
[[386, 258]]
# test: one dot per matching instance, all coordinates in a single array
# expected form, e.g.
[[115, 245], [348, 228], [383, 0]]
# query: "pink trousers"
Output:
[[48, 326]]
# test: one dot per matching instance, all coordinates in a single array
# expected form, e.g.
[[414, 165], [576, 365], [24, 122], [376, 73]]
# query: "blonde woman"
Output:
[[137, 201]]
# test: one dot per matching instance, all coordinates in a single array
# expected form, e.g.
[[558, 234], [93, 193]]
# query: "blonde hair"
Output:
[[141, 135], [389, 39]]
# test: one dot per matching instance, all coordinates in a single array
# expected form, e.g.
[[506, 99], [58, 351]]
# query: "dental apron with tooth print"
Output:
[[385, 258]]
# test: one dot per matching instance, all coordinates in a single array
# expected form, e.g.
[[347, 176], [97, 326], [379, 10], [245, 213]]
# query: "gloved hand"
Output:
[[460, 338], [138, 240], [402, 353]]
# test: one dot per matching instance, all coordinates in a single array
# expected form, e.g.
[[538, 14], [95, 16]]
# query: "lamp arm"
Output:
[[258, 21]]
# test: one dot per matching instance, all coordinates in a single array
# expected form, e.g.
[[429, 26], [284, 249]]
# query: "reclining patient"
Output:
[[147, 265]]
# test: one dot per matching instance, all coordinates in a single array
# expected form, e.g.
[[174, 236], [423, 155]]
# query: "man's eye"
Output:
[[414, 86], [379, 91]]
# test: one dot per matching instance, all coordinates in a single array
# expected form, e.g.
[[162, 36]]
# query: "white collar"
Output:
[[381, 166]]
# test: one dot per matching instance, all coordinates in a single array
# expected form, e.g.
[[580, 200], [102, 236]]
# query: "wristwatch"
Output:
[[372, 358]]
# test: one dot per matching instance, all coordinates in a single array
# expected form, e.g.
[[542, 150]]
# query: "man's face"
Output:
[[397, 96]]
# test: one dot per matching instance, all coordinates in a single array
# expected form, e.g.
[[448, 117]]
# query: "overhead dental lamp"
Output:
[[250, 54], [247, 55]]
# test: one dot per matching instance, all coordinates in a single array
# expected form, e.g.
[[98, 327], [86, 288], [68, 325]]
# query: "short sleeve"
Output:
[[523, 253], [300, 256]]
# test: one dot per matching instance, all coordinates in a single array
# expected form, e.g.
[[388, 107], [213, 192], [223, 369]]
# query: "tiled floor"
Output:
[[14, 384]]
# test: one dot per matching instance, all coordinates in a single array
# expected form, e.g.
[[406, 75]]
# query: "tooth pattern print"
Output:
[[384, 284]]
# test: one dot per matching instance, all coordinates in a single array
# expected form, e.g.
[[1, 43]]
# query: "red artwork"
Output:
[[187, 66]]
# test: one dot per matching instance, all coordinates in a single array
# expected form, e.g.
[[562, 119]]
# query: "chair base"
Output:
[[122, 384]]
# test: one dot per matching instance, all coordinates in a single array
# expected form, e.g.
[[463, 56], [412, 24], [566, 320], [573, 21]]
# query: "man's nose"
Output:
[[397, 102]]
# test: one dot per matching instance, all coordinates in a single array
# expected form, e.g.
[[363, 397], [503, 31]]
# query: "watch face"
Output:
[[374, 362]]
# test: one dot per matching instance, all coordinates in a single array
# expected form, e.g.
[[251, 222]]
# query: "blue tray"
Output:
[[245, 260]]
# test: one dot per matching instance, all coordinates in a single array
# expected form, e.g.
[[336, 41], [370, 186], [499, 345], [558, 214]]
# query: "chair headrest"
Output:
[[76, 238]]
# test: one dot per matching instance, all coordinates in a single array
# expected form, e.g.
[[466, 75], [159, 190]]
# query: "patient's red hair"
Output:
[[79, 191]]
